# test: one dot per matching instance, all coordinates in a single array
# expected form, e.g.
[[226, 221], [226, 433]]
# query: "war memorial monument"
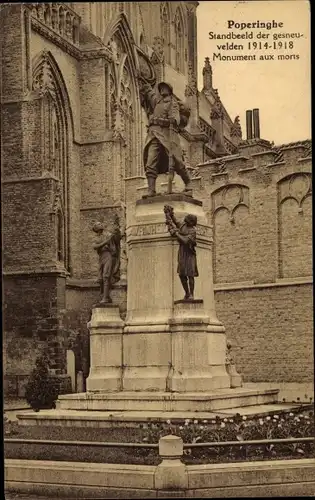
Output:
[[170, 354]]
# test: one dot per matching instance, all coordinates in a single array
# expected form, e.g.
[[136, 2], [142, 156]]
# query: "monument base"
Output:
[[130, 409], [106, 337]]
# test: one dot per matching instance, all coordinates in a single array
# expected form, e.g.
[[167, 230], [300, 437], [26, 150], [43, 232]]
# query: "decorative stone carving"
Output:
[[193, 171], [235, 378], [207, 75], [58, 17], [161, 230], [123, 246], [298, 187], [158, 48], [191, 87], [207, 129], [236, 130], [43, 79], [217, 109], [231, 197]]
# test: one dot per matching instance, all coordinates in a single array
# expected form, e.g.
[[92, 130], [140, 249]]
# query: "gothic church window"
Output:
[[47, 81], [128, 118], [166, 22], [179, 43], [56, 145], [142, 44]]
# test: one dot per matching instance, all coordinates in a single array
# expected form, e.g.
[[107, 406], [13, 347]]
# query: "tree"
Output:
[[41, 390]]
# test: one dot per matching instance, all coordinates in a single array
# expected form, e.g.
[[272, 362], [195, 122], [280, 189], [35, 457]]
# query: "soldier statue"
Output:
[[185, 233], [107, 246], [162, 151]]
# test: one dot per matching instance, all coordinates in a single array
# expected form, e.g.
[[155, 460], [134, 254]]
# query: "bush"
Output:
[[41, 390]]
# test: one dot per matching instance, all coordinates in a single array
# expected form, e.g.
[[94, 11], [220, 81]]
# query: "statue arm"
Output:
[[189, 240], [148, 95], [175, 221]]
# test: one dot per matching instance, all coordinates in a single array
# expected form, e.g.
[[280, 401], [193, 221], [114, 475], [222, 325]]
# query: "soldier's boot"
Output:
[[186, 179], [106, 297], [151, 186]]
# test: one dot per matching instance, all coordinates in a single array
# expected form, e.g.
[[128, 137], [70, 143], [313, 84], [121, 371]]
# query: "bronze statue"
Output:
[[185, 233], [162, 151], [108, 249]]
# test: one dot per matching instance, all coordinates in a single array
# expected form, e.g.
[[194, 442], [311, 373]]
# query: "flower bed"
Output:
[[282, 426], [296, 424]]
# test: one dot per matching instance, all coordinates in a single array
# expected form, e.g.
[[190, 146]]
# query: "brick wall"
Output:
[[29, 232], [271, 330], [31, 324], [261, 213]]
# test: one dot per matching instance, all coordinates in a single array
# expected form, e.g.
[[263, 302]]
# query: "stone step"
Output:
[[168, 401], [102, 409], [107, 419]]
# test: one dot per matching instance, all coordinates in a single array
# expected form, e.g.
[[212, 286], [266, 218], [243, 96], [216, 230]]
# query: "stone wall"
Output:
[[260, 207]]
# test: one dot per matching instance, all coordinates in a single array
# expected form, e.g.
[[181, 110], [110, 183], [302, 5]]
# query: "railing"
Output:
[[100, 444], [58, 17], [171, 474], [207, 129]]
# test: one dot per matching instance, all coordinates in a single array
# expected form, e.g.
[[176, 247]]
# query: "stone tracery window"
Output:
[[110, 118], [123, 107], [165, 23], [56, 144], [54, 126], [128, 119], [179, 43]]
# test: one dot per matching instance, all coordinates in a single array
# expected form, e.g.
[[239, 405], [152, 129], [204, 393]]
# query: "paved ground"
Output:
[[20, 496]]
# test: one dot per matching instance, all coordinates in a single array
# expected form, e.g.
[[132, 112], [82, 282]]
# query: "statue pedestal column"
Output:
[[198, 350], [106, 336], [170, 345]]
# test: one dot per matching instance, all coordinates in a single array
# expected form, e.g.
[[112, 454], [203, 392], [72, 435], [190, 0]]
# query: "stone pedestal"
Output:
[[198, 350], [106, 337], [169, 355], [169, 344]]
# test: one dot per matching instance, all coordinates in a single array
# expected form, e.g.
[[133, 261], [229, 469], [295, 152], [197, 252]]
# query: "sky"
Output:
[[280, 89]]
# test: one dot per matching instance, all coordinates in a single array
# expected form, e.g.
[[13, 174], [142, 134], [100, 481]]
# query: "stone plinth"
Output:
[[155, 401], [198, 350], [106, 332], [170, 344]]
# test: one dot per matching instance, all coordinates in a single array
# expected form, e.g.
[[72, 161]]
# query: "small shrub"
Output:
[[41, 390]]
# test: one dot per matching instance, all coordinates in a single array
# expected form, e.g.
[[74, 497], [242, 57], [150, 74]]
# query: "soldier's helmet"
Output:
[[98, 226]]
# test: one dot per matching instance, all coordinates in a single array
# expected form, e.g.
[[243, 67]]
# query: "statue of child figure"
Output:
[[185, 232]]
